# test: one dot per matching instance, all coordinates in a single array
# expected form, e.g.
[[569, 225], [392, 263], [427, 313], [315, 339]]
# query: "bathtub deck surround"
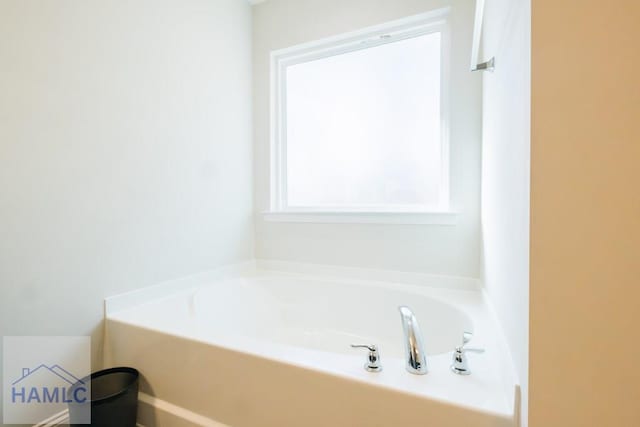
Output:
[[263, 347]]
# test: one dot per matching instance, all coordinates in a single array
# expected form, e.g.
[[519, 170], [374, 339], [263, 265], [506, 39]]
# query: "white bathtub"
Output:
[[273, 349]]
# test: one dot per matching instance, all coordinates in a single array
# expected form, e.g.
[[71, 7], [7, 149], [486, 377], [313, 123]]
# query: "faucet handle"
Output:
[[371, 347], [460, 365], [466, 337], [373, 360]]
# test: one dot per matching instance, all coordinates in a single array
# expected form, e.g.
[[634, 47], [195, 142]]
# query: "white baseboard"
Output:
[[59, 419], [154, 412]]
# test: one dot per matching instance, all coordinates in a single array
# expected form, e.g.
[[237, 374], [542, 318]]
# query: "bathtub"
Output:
[[266, 348]]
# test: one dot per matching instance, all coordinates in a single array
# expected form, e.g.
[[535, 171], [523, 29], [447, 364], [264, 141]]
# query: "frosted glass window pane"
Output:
[[363, 128]]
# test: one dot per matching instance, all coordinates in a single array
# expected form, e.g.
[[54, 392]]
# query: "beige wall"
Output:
[[125, 152], [451, 250], [585, 214]]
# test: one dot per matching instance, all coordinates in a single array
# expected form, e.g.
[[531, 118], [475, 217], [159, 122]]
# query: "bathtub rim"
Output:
[[120, 301]]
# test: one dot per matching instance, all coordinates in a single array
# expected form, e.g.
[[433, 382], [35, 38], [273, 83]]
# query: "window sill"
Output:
[[321, 217]]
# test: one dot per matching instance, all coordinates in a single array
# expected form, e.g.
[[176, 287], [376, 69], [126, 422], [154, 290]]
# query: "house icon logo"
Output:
[[43, 376], [47, 384]]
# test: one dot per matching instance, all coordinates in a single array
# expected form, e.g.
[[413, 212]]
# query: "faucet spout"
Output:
[[414, 350]]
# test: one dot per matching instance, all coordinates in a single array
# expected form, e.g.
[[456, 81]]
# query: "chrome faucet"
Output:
[[414, 350]]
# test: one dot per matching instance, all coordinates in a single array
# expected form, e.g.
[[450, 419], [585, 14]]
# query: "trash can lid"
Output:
[[109, 383]]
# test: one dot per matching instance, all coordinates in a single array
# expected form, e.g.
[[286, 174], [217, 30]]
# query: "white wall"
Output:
[[421, 248], [505, 173], [125, 152]]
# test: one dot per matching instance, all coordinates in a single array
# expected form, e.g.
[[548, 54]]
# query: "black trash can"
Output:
[[114, 399]]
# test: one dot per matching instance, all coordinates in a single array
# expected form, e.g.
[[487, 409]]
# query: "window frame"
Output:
[[406, 28]]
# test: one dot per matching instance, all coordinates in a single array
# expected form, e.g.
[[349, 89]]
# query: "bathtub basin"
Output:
[[268, 348], [321, 315]]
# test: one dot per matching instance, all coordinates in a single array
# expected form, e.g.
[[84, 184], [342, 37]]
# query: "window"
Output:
[[360, 124]]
